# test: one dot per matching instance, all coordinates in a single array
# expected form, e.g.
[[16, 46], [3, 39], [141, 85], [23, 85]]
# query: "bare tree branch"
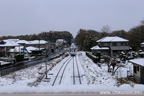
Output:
[[106, 29], [142, 22]]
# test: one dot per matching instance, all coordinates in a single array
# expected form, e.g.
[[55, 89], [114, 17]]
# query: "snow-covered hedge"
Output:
[[95, 59]]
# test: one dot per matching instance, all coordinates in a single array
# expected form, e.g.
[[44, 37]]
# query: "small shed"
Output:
[[103, 50], [138, 70]]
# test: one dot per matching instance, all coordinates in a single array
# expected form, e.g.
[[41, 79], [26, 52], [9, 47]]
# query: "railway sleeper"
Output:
[[47, 79], [77, 76]]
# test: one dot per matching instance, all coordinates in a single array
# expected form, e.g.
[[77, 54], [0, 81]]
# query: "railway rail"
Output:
[[63, 66], [76, 72], [75, 76]]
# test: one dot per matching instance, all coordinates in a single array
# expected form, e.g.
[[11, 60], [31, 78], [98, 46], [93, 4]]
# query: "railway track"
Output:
[[60, 70], [73, 72], [75, 76], [76, 72]]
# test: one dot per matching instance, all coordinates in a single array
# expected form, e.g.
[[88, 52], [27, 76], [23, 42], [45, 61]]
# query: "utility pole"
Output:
[[46, 66], [39, 44], [5, 51], [46, 69]]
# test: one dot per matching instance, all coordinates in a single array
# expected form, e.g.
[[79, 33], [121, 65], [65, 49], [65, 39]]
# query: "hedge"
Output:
[[94, 59]]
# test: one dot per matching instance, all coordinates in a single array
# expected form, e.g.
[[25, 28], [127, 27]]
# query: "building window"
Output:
[[114, 44], [118, 44], [135, 69], [106, 44], [122, 44]]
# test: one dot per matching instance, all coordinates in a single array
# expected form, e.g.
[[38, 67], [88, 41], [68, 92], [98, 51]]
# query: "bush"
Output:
[[141, 55], [19, 58], [117, 61], [121, 81], [94, 59]]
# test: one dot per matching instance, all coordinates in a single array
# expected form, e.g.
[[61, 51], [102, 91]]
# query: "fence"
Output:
[[23, 65]]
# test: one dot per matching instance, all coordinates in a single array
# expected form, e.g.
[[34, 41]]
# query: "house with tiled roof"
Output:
[[6, 45], [111, 46], [23, 42], [38, 43], [11, 47]]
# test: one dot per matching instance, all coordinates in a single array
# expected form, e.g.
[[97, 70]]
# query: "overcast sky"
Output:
[[21, 17]]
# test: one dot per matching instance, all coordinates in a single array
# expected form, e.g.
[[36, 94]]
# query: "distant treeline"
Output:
[[86, 39], [50, 36]]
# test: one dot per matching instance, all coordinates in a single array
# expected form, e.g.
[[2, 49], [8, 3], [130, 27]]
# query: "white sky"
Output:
[[21, 17]]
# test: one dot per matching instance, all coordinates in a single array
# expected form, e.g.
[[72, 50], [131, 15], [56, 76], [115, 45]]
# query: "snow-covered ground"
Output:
[[93, 78]]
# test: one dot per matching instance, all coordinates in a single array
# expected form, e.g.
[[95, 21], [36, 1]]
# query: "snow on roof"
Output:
[[14, 40], [16, 49], [37, 42], [30, 48], [142, 43], [23, 41], [4, 62], [8, 43], [141, 53], [99, 48], [112, 39], [139, 61], [60, 40]]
